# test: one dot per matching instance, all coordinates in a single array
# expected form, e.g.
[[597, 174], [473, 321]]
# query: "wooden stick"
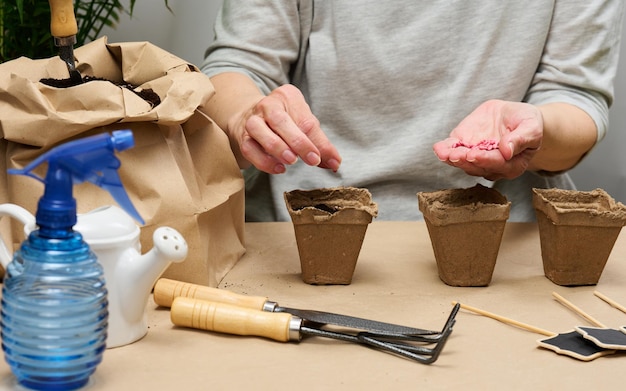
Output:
[[577, 310], [610, 302], [507, 320]]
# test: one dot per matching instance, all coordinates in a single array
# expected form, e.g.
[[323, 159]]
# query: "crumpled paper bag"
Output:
[[181, 172]]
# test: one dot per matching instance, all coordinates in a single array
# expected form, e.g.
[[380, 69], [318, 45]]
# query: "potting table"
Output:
[[396, 281]]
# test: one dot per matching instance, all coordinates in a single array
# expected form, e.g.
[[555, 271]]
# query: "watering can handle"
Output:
[[19, 213]]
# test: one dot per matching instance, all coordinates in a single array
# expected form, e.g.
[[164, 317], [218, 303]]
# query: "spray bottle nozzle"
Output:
[[122, 139], [89, 159]]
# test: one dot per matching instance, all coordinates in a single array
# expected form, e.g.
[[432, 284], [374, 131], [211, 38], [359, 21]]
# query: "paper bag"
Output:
[[181, 172]]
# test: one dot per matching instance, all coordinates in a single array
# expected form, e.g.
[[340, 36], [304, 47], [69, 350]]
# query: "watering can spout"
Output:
[[136, 274]]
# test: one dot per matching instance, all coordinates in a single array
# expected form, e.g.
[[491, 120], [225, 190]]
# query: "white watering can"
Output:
[[114, 237]]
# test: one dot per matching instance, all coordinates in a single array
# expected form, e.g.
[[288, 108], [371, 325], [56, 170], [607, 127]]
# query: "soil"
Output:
[[146, 94], [326, 208]]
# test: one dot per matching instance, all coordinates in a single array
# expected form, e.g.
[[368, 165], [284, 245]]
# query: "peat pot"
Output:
[[577, 230], [330, 225], [465, 228]]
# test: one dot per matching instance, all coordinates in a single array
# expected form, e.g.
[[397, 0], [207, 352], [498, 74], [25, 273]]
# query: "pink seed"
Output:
[[485, 145]]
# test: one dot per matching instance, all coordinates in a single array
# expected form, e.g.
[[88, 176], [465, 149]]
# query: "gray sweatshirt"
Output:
[[389, 79]]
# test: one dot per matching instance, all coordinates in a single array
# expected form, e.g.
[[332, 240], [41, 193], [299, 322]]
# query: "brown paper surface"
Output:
[[181, 172], [395, 281], [5, 227]]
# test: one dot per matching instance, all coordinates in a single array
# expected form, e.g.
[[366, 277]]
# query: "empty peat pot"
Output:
[[330, 225], [465, 228], [577, 230]]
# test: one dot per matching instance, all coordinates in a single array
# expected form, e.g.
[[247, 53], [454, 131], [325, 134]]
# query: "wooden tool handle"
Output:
[[166, 290], [507, 320], [62, 19], [230, 319], [577, 310]]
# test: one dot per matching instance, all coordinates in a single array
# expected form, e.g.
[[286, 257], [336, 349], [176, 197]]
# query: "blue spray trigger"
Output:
[[91, 159]]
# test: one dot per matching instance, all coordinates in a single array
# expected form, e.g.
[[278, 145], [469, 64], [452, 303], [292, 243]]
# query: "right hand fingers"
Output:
[[280, 137], [283, 126], [307, 123], [254, 153]]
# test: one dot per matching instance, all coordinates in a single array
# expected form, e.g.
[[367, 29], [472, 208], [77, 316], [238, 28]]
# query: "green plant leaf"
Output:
[[25, 25]]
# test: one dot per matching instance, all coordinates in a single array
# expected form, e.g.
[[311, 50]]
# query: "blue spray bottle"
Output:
[[54, 299]]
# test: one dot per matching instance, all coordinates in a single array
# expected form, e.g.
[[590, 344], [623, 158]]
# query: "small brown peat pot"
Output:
[[577, 230], [330, 225], [465, 228]]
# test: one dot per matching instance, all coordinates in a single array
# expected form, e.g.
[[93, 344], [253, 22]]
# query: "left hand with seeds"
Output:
[[497, 140]]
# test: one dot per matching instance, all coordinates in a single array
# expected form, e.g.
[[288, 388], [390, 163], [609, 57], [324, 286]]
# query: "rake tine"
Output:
[[391, 342], [421, 338], [416, 353]]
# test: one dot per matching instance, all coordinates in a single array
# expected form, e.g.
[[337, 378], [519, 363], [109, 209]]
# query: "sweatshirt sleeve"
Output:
[[264, 46], [580, 58]]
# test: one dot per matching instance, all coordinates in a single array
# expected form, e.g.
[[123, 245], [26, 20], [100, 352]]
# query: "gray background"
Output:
[[188, 31]]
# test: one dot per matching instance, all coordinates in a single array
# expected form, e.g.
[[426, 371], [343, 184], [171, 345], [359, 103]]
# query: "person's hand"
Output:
[[497, 140], [281, 128]]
